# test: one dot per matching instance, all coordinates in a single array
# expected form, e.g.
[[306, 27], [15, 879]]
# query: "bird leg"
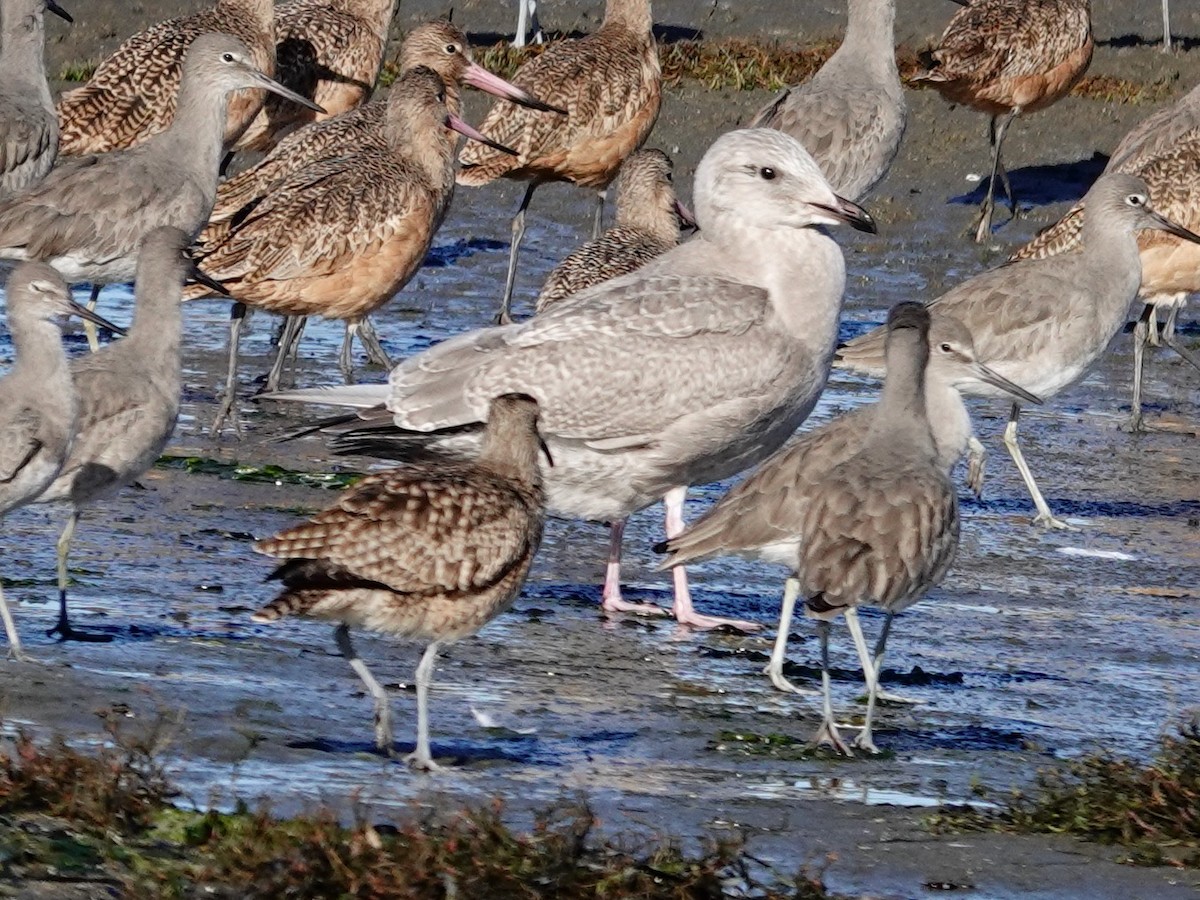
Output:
[[369, 338], [518, 232], [774, 669], [1166, 11], [63, 627], [227, 408], [827, 734], [421, 758], [527, 22], [976, 460], [383, 714], [1044, 516], [598, 222], [996, 136], [89, 328], [612, 601], [684, 613], [872, 664], [1168, 338], [10, 627], [1141, 333], [287, 345]]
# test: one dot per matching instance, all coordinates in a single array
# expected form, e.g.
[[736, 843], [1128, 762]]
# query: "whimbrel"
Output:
[[1007, 57], [686, 371], [610, 84], [1043, 322], [430, 552]]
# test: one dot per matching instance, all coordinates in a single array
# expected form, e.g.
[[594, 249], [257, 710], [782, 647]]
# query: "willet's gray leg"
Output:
[[984, 230], [10, 627], [1044, 516], [976, 460], [228, 406], [383, 714], [1141, 336], [422, 758], [369, 338], [774, 669], [598, 222], [518, 232], [63, 627], [828, 732], [611, 597], [89, 328], [685, 614]]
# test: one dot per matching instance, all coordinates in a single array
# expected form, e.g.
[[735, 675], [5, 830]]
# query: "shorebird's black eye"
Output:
[[767, 173], [452, 49], [946, 348], [227, 57], [1136, 199]]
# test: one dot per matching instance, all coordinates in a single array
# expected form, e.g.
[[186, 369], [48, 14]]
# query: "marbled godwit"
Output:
[[341, 237], [132, 94], [1163, 151], [88, 217], [687, 371], [610, 84], [128, 398], [28, 129], [851, 115], [881, 527], [328, 50], [38, 407], [1045, 321], [762, 516], [430, 552], [1006, 57]]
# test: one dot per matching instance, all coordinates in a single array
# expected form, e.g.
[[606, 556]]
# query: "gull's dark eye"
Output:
[[227, 57], [767, 173]]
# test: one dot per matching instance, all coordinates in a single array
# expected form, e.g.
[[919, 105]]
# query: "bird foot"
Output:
[[1135, 424], [422, 762], [865, 743], [786, 686], [1045, 520], [706, 623], [889, 697], [226, 411], [504, 318], [66, 633], [20, 656], [617, 605], [827, 736]]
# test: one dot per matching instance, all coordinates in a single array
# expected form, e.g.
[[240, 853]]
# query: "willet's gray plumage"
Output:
[[687, 371], [1007, 57], [38, 407], [880, 528], [132, 94], [851, 114], [1163, 151], [28, 128], [1044, 322], [128, 397], [762, 516], [431, 552], [88, 216], [610, 84]]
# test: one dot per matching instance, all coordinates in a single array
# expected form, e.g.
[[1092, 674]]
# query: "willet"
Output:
[[610, 84], [1007, 57], [528, 27], [128, 398], [342, 236], [762, 516], [880, 528], [687, 371], [429, 552], [1044, 322], [851, 115], [328, 50], [88, 216], [28, 128], [38, 408], [1163, 151], [133, 93]]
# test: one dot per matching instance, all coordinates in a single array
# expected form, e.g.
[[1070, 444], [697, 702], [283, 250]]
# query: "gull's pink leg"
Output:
[[612, 601], [684, 613]]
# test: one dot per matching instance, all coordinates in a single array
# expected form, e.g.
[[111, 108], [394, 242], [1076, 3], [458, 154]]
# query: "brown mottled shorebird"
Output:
[[431, 552], [686, 371], [38, 407], [128, 398], [610, 84], [1043, 322], [342, 236], [851, 115], [762, 516], [328, 50], [132, 94], [880, 528], [1164, 151], [1007, 57], [28, 128]]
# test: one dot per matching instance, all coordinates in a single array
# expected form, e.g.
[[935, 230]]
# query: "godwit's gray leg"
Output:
[[612, 601], [368, 336], [996, 133], [598, 222], [286, 346], [685, 614], [227, 409], [422, 758], [774, 669], [89, 328], [828, 732], [383, 714], [1168, 337], [518, 232], [1044, 516], [10, 628], [63, 628]]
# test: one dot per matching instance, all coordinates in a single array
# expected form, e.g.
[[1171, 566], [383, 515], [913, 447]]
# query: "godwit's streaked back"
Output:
[[431, 553], [1006, 57], [132, 94], [609, 83]]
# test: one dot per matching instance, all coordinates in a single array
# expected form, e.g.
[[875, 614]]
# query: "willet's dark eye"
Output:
[[1136, 200], [946, 348], [227, 57], [767, 173]]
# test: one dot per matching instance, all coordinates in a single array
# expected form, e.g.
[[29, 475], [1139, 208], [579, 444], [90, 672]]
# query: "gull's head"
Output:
[[764, 178]]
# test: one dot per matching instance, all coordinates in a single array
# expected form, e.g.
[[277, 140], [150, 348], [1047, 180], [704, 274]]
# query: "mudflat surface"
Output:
[[1036, 648]]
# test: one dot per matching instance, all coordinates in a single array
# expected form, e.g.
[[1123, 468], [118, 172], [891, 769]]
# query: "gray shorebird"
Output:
[[38, 407], [432, 553], [687, 371]]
